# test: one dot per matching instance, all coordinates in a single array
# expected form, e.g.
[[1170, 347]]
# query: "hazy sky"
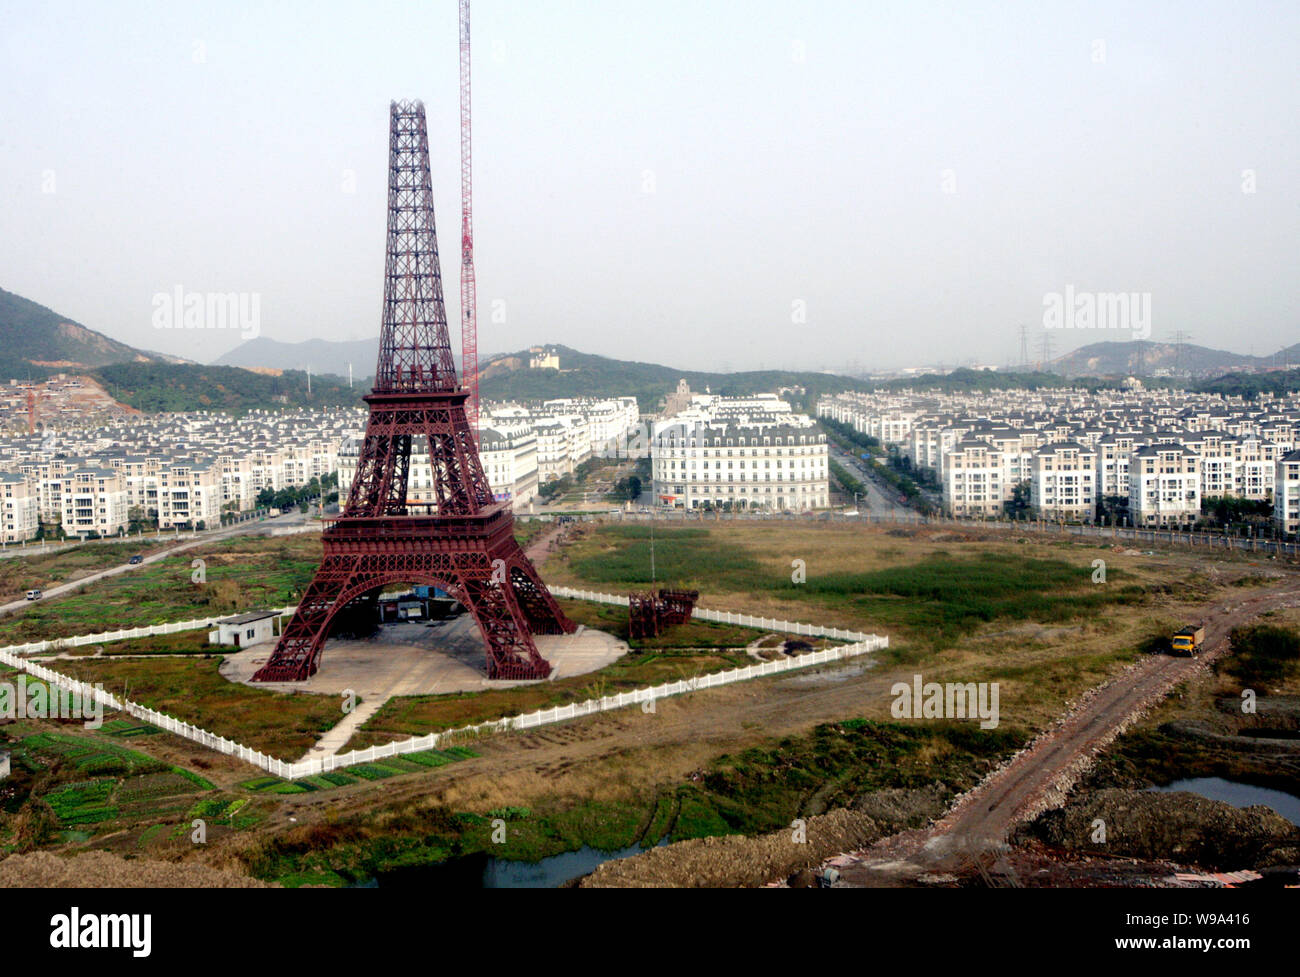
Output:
[[671, 181]]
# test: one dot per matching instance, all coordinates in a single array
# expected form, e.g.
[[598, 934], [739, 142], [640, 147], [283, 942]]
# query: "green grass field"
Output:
[[239, 574], [937, 595], [19, 574], [281, 724]]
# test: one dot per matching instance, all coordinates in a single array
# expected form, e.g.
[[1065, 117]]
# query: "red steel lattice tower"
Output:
[[468, 284], [463, 540]]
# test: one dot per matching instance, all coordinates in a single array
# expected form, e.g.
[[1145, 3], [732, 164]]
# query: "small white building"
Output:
[[244, 630]]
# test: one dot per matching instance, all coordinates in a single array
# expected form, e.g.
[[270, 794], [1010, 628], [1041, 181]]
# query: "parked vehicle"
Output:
[[1188, 641], [34, 595], [135, 560]]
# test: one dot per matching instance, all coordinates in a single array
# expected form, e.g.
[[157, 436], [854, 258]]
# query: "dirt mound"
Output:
[[734, 861], [1180, 826], [1199, 729], [898, 810], [98, 869]]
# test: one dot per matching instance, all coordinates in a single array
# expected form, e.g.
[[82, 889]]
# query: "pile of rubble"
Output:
[[101, 869], [1180, 826]]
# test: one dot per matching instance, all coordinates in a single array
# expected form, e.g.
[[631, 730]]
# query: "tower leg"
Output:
[[297, 653], [511, 652], [540, 607]]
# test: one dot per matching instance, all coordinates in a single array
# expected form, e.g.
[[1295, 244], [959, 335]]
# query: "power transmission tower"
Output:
[[1180, 345]]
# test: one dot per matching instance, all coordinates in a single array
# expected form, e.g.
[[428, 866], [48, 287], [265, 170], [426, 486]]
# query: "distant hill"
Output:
[[1251, 385], [153, 387], [966, 380], [36, 341], [1288, 357], [318, 355], [1248, 385], [507, 376], [1121, 358]]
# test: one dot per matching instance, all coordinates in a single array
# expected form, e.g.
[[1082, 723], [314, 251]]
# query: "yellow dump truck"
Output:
[[1188, 641]]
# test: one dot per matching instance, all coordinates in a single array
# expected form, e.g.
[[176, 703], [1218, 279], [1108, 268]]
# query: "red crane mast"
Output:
[[468, 286]]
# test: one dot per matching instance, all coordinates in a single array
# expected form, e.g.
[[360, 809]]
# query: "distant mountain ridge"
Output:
[[1118, 358], [509, 376], [36, 341], [318, 355]]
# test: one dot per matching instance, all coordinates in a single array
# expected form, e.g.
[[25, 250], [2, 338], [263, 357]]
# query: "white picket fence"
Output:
[[861, 644], [106, 637]]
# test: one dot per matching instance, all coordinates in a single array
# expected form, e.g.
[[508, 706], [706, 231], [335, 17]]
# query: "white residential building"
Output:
[[1164, 486], [19, 518], [708, 456], [1286, 493], [94, 502], [189, 494], [1255, 463], [972, 480], [1063, 485], [509, 455]]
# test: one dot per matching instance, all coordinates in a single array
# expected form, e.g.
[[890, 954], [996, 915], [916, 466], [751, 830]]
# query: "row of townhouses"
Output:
[[1160, 453], [523, 446], [738, 453], [185, 470], [182, 470]]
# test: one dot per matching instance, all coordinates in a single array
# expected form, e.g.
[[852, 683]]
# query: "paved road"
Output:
[[879, 501], [186, 542]]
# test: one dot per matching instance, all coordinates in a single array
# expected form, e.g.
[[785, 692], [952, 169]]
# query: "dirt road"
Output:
[[1038, 778], [186, 541]]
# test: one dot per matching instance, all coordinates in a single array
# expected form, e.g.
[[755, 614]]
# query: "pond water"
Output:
[[1238, 794], [487, 872]]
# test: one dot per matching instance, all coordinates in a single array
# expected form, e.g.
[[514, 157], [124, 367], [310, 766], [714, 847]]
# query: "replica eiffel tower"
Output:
[[462, 540]]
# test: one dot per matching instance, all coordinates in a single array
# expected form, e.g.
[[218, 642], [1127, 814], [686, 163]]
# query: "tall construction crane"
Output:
[[33, 397], [468, 286]]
